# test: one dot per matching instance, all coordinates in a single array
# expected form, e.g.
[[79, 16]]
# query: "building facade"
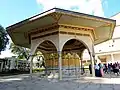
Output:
[[109, 51]]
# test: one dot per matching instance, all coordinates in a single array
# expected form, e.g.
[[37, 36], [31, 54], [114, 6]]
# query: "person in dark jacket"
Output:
[[90, 69]]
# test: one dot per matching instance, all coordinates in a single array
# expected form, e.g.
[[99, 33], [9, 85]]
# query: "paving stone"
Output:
[[106, 88], [53, 84], [116, 86], [10, 88]]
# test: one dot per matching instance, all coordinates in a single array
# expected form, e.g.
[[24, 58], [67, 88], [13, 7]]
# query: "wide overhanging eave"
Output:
[[11, 28], [58, 10]]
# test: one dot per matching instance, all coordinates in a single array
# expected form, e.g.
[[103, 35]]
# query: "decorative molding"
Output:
[[73, 33], [80, 28], [42, 29], [59, 32], [55, 26], [75, 27]]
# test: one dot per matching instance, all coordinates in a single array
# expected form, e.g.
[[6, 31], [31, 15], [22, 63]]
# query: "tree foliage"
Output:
[[21, 52], [3, 39]]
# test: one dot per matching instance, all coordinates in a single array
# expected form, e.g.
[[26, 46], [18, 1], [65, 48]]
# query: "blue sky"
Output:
[[113, 7], [12, 11]]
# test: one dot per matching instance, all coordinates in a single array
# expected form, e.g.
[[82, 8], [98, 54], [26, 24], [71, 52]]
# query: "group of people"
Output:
[[100, 69], [109, 68]]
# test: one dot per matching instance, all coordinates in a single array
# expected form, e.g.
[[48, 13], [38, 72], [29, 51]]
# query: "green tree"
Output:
[[3, 39], [21, 52]]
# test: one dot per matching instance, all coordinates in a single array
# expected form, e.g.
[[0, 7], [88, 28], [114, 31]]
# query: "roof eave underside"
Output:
[[61, 11], [58, 10]]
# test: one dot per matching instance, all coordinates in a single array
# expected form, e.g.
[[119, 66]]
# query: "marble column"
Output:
[[31, 65], [60, 64], [92, 63]]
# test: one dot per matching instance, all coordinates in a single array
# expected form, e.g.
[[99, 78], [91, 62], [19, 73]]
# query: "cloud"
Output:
[[105, 3], [83, 6]]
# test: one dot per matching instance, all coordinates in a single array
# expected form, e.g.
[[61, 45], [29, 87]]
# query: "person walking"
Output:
[[90, 69]]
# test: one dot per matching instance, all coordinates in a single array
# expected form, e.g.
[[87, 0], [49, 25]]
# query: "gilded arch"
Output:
[[74, 65]]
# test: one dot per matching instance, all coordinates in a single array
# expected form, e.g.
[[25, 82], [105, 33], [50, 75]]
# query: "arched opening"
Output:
[[85, 61], [49, 56], [71, 57], [85, 57]]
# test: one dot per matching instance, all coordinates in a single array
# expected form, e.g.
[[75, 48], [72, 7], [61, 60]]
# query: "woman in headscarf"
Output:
[[101, 72]]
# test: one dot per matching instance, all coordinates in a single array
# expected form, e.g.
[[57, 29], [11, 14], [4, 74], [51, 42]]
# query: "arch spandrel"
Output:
[[52, 39], [84, 39]]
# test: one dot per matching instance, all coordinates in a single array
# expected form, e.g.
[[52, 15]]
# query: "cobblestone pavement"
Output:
[[23, 82]]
